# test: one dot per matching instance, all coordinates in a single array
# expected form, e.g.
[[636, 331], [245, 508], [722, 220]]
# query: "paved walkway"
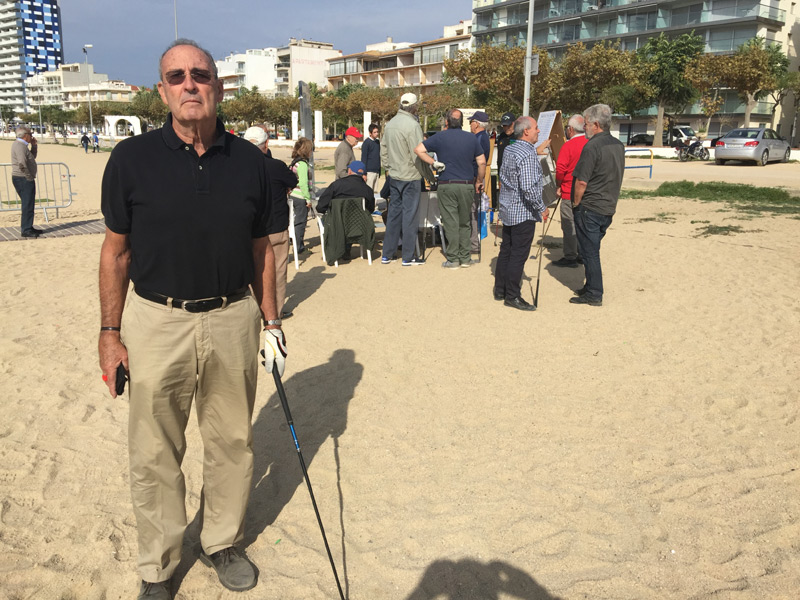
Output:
[[8, 234]]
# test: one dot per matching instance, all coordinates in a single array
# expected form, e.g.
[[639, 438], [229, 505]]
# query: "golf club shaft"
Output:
[[541, 255], [285, 404]]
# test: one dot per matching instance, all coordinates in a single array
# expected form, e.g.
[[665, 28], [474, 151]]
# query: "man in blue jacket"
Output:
[[371, 156]]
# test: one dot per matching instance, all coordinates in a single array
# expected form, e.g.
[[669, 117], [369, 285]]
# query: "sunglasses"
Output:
[[200, 76]]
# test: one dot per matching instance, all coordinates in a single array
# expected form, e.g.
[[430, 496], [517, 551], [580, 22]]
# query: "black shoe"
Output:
[[286, 314], [155, 591], [39, 231], [234, 569], [580, 292], [566, 262], [585, 299], [520, 304], [580, 260], [499, 295], [31, 233]]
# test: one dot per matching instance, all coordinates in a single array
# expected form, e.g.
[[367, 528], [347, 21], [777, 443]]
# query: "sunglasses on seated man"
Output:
[[200, 76]]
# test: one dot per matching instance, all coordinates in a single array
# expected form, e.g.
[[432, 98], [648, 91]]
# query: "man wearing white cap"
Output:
[[281, 181], [400, 136]]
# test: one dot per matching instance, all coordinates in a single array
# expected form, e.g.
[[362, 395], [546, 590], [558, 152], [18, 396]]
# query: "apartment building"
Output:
[[302, 60], [723, 24], [30, 42], [390, 64], [70, 86], [253, 68]]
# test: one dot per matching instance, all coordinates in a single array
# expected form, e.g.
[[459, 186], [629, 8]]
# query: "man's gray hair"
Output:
[[576, 122], [193, 44], [520, 125], [600, 114], [483, 124], [22, 130]]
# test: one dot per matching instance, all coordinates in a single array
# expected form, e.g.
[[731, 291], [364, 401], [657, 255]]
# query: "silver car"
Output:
[[761, 145]]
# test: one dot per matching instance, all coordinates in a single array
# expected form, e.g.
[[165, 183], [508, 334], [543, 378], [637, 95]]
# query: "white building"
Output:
[[302, 60], [69, 85], [253, 68]]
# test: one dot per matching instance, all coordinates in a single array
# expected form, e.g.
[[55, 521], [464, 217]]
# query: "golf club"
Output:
[[285, 404]]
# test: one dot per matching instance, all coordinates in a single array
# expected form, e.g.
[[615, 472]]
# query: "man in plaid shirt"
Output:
[[521, 205]]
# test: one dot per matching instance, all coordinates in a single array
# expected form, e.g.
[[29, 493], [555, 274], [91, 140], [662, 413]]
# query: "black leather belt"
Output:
[[195, 306], [469, 181]]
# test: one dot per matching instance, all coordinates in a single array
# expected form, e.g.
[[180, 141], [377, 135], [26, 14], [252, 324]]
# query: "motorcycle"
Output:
[[692, 151]]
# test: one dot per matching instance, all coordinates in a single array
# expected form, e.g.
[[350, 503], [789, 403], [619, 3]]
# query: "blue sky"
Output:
[[129, 35]]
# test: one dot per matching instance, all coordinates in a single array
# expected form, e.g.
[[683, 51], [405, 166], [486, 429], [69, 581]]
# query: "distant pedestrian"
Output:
[[371, 156], [23, 176], [95, 143], [85, 143]]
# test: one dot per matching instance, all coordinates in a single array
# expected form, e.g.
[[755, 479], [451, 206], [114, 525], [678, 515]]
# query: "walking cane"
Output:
[[285, 404]]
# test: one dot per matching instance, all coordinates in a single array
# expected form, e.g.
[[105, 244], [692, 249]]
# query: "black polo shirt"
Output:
[[191, 219], [352, 186], [601, 166], [281, 181]]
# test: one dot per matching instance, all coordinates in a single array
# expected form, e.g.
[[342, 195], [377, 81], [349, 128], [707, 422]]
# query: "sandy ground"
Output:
[[458, 449]]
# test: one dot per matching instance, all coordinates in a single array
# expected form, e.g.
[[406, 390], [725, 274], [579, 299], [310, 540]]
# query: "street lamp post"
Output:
[[175, 9], [89, 85]]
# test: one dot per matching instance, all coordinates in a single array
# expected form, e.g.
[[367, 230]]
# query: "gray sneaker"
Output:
[[450, 265], [234, 569], [155, 591]]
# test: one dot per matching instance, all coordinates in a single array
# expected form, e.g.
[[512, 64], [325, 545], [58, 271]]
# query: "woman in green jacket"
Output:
[[301, 195]]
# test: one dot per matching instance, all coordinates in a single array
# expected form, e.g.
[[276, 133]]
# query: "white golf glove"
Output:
[[439, 166], [274, 351]]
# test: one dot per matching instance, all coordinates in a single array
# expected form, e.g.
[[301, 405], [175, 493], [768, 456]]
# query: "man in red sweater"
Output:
[[567, 159]]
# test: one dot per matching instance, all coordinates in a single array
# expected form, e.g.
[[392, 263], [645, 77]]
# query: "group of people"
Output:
[[197, 220], [94, 141]]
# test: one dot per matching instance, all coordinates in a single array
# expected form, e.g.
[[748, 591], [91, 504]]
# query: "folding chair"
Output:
[[429, 217]]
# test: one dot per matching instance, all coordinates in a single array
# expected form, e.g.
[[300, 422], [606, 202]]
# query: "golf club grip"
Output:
[[282, 394]]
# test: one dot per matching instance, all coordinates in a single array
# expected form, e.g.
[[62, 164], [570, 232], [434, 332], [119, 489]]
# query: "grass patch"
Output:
[[724, 230], [662, 217], [743, 197], [324, 168]]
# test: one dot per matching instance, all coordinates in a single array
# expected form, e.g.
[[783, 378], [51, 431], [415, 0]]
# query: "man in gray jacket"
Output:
[[344, 154], [400, 136], [23, 175]]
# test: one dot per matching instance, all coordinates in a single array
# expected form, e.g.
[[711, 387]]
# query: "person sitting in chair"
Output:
[[354, 185]]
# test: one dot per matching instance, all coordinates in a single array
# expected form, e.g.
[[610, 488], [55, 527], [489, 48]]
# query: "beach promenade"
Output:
[[458, 449]]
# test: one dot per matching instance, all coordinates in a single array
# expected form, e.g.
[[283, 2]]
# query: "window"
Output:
[[430, 55], [686, 15], [453, 50]]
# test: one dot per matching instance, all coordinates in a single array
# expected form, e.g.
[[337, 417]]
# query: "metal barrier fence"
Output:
[[650, 166], [53, 188]]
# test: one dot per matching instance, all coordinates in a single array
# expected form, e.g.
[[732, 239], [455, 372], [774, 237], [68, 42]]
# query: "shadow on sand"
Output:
[[474, 580]]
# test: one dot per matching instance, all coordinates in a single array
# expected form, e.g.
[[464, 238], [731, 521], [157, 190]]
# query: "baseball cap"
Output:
[[256, 134], [354, 132], [479, 116], [507, 119], [408, 99], [357, 167]]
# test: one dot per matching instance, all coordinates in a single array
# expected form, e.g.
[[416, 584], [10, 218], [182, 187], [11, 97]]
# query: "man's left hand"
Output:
[[274, 351], [478, 187], [545, 215]]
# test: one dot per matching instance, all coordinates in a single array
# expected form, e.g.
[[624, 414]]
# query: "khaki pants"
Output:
[[175, 356], [372, 181], [280, 245]]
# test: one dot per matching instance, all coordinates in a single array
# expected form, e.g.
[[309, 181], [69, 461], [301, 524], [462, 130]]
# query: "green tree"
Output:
[[665, 61], [793, 83], [496, 77], [149, 107], [6, 113], [755, 71], [279, 111], [709, 74], [588, 75], [248, 107]]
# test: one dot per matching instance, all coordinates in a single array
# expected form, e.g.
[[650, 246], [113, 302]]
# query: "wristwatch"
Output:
[[277, 322]]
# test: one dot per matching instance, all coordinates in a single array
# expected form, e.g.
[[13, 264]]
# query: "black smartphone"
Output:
[[122, 377]]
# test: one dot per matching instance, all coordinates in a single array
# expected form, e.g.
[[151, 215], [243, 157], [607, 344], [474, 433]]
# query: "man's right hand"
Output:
[[439, 166], [112, 352]]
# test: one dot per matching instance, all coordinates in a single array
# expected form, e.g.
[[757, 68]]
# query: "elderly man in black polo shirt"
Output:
[[597, 180], [187, 211]]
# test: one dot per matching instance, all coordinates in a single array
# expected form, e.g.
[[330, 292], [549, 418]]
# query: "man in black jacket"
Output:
[[371, 157], [352, 186]]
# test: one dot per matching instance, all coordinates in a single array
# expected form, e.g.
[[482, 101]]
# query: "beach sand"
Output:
[[458, 449]]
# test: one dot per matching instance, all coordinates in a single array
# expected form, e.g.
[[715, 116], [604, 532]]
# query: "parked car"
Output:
[[641, 139], [681, 133], [759, 145]]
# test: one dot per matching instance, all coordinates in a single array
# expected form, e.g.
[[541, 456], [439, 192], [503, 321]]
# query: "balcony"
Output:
[[282, 65]]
